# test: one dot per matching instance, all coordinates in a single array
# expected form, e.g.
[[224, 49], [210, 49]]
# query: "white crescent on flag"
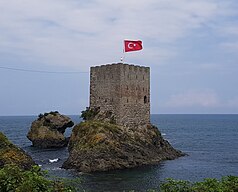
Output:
[[131, 45]]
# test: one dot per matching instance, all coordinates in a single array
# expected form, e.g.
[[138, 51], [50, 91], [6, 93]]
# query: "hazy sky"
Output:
[[190, 45]]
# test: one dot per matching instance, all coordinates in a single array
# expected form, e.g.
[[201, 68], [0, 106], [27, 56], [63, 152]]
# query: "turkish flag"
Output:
[[132, 45]]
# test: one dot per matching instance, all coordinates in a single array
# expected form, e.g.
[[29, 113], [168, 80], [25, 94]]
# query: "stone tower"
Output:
[[124, 90]]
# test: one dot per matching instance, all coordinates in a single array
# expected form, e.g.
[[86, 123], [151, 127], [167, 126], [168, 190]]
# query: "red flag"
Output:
[[132, 45]]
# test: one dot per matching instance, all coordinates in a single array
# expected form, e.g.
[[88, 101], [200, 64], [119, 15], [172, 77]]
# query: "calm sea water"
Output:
[[209, 140]]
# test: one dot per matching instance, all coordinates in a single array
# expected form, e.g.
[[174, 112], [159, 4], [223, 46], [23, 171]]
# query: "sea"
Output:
[[210, 142]]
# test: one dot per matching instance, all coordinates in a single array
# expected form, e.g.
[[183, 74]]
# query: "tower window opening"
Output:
[[145, 99]]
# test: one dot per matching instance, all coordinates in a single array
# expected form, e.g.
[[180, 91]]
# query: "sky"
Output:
[[190, 46]]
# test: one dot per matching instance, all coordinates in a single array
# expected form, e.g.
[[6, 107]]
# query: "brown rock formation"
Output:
[[101, 146], [48, 130]]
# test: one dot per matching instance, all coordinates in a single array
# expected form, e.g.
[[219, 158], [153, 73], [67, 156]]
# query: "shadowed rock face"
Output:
[[48, 130], [11, 154], [101, 146]]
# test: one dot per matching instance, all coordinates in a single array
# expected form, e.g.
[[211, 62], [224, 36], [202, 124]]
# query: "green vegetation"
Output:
[[94, 114], [226, 184], [92, 134], [12, 178], [45, 114], [89, 113]]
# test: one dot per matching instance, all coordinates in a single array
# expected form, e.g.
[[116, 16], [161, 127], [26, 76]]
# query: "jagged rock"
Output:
[[11, 154], [101, 146], [48, 130]]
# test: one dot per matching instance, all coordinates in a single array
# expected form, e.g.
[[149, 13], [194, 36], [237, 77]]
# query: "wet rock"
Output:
[[48, 130], [11, 154]]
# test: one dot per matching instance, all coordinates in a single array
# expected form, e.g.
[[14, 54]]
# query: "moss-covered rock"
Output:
[[100, 146], [95, 114], [11, 154], [48, 130]]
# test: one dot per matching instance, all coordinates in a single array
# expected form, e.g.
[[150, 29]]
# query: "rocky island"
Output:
[[102, 146], [48, 130]]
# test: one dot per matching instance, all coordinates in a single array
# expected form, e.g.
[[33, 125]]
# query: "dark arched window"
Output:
[[145, 99]]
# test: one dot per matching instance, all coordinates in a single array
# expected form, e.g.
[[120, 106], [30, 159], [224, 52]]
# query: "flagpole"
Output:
[[123, 54]]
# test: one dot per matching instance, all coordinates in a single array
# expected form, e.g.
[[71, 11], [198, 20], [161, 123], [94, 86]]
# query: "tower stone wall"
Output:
[[124, 90]]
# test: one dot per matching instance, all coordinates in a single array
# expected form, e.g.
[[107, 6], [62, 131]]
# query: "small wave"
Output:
[[56, 168], [54, 160], [163, 134]]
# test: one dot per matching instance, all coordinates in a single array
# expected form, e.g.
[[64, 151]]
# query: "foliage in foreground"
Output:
[[12, 178], [226, 184]]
